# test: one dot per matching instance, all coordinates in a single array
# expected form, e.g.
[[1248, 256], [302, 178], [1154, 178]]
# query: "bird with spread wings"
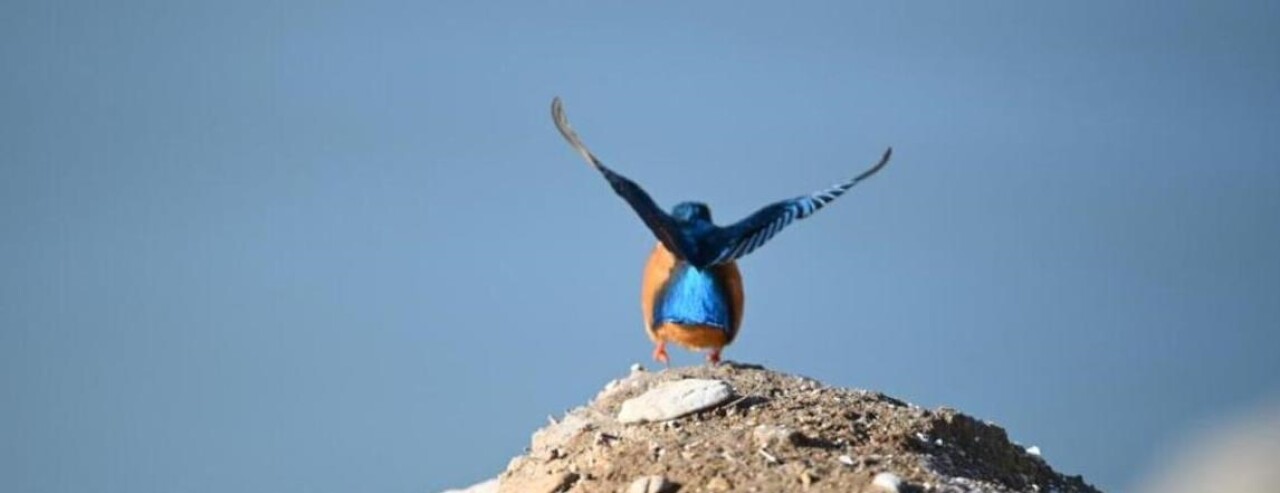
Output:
[[692, 290]]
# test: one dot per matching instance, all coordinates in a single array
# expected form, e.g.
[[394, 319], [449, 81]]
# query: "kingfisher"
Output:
[[692, 294]]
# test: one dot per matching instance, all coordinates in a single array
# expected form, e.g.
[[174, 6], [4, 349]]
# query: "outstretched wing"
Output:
[[736, 241], [662, 225]]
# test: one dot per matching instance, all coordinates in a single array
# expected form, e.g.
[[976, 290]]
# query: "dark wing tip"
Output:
[[557, 108], [888, 153], [561, 121], [566, 130]]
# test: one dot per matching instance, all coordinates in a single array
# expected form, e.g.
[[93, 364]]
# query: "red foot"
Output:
[[660, 354], [714, 356]]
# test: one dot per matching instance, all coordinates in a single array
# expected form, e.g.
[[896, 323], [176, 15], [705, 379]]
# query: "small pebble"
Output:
[[719, 483], [651, 484], [552, 483], [888, 482], [774, 436]]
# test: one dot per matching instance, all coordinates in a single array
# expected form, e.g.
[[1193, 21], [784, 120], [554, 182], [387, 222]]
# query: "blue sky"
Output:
[[275, 246]]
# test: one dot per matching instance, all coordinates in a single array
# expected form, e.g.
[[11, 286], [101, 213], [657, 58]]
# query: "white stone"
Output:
[[887, 481], [558, 433], [651, 484], [674, 399], [490, 486], [774, 436]]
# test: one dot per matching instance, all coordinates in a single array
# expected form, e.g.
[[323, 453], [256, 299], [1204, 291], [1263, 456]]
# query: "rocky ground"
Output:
[[744, 428]]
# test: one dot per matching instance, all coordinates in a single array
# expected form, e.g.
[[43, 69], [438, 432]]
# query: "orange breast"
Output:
[[693, 336], [656, 273]]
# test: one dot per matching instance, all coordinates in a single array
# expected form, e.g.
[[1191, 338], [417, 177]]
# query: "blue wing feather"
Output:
[[720, 245], [663, 226], [745, 236]]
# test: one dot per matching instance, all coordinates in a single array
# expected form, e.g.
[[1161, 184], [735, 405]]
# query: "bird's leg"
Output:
[[714, 356], [660, 353]]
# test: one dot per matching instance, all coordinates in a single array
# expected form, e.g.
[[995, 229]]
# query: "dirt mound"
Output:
[[773, 432]]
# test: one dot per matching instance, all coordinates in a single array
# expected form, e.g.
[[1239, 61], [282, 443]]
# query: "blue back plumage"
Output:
[[693, 296]]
